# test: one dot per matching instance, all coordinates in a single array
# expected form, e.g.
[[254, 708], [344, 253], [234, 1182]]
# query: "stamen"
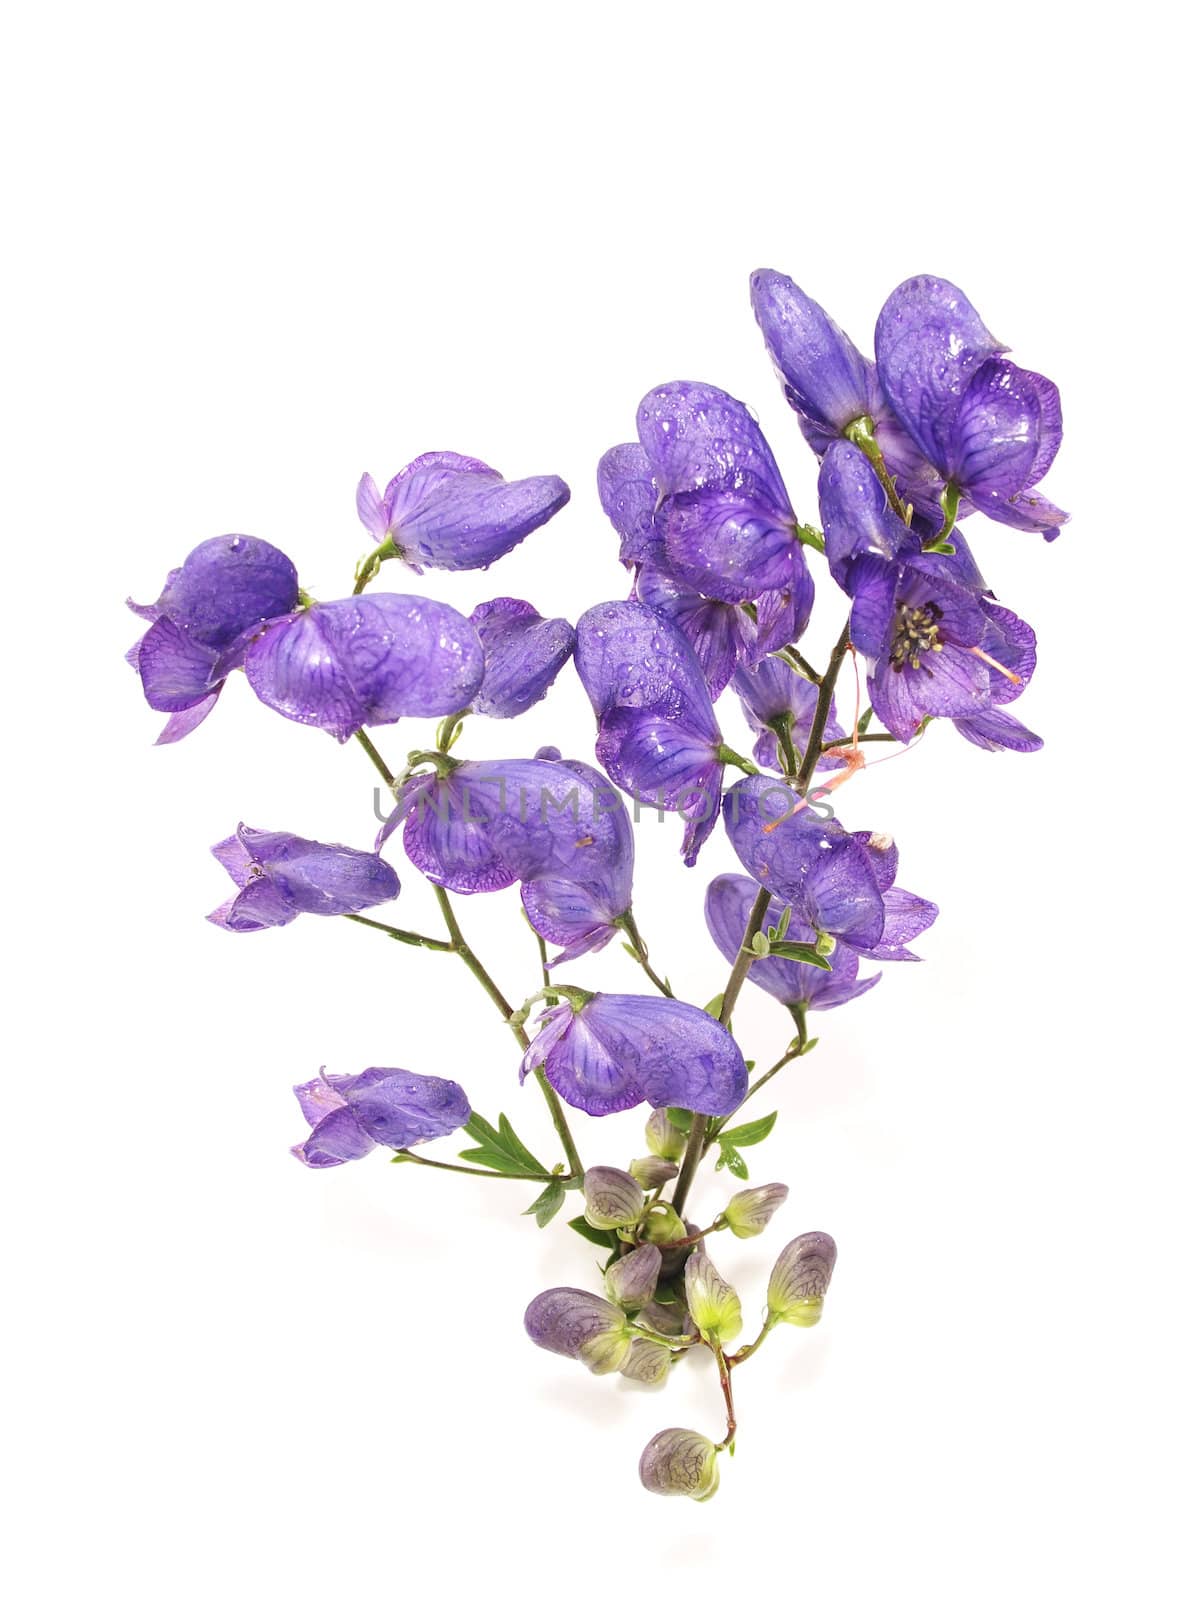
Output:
[[993, 663]]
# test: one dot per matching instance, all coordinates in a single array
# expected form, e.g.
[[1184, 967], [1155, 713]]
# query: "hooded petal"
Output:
[[824, 377], [855, 514], [317, 1099], [730, 545], [698, 437], [628, 656], [772, 692], [523, 654], [225, 586], [367, 661], [906, 915], [177, 673], [997, 431], [399, 1108], [261, 904], [929, 342], [329, 880], [336, 1139], [457, 514]]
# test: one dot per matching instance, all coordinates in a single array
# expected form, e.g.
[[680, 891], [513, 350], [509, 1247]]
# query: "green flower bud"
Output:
[[664, 1138], [800, 1280], [648, 1362], [713, 1303], [749, 1211], [662, 1225], [678, 1461], [607, 1351], [611, 1198], [631, 1280], [653, 1171]]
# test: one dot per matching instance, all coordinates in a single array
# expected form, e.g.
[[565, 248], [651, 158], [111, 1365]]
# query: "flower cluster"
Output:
[[719, 589]]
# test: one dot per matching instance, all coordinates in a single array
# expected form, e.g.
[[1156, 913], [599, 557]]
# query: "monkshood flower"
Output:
[[453, 512], [839, 883], [523, 653], [200, 625], [657, 736], [800, 1280], [581, 1326], [631, 1280], [793, 983], [712, 1302], [279, 876], [369, 660], [991, 428], [776, 698], [350, 1115], [607, 1052], [478, 826], [611, 1198], [749, 1211], [652, 1171], [680, 1461], [728, 525], [1009, 650], [721, 634], [583, 906]]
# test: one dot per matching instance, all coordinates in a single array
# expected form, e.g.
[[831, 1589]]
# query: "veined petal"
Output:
[[399, 1108], [317, 1098], [177, 673], [728, 544], [328, 880], [523, 654], [855, 514], [951, 683], [698, 437], [630, 657], [721, 634], [997, 430], [929, 341], [625, 481], [227, 585], [181, 723], [652, 757], [905, 916], [261, 904], [997, 730], [336, 1139], [469, 518], [824, 376]]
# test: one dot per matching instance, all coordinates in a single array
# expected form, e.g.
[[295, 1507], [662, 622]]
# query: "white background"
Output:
[[256, 249]]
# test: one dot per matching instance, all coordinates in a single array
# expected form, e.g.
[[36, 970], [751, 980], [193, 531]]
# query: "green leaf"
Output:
[[864, 722], [500, 1149], [779, 931], [730, 1157], [679, 1119], [809, 1044], [605, 1238], [807, 953], [750, 1132], [546, 1205], [760, 944], [715, 1005]]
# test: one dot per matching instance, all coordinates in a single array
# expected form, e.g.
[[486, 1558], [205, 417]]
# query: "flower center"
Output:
[[916, 632]]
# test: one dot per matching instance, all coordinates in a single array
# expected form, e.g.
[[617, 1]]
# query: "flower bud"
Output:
[[632, 1279], [749, 1211], [678, 1461], [611, 1198], [648, 1362], [574, 1323], [800, 1279], [663, 1137], [652, 1171], [671, 1320], [662, 1225], [713, 1303]]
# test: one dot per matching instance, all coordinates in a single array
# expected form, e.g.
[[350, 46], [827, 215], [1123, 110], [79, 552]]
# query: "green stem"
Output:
[[477, 969], [794, 659], [681, 1344], [381, 766], [642, 954], [861, 738], [732, 759], [795, 1049], [727, 1391], [748, 1350], [862, 433], [692, 1238], [480, 1172], [781, 727], [402, 934]]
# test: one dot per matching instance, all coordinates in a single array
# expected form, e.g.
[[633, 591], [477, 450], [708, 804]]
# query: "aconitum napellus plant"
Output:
[[940, 427]]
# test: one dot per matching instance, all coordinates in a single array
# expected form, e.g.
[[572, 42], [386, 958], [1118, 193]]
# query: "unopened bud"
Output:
[[671, 1320], [653, 1171], [800, 1280], [663, 1137], [679, 1461], [648, 1362], [749, 1211], [662, 1225], [611, 1198], [713, 1303], [574, 1323], [631, 1280]]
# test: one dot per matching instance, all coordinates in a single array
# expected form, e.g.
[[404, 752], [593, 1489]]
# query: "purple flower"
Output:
[[479, 826], [774, 695], [523, 654], [582, 906], [618, 1050], [629, 496], [728, 526], [580, 1326], [793, 983], [350, 1115], [680, 1461], [369, 660], [453, 512], [989, 427], [200, 625], [721, 634], [658, 738], [280, 875], [839, 883]]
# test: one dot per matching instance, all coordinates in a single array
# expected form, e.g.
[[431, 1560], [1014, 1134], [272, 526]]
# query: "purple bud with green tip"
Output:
[[748, 1212], [713, 1303], [680, 1461], [582, 1326], [800, 1280], [663, 1137], [631, 1280], [611, 1198], [648, 1362], [652, 1171]]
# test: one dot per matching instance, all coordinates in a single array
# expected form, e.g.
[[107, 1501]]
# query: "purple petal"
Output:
[[523, 654], [997, 431], [328, 880], [621, 1050], [236, 859], [628, 656], [580, 917], [563, 1320], [429, 476], [336, 1139], [317, 1099], [182, 723], [261, 904], [177, 673], [1026, 509], [997, 730], [951, 683], [698, 437], [729, 545], [855, 514], [625, 481], [824, 377], [455, 513], [783, 613], [366, 661], [399, 1108], [929, 341], [372, 512], [906, 915], [227, 585], [721, 634]]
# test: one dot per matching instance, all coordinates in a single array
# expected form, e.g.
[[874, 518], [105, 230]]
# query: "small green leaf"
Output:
[[732, 1158], [401, 1155], [679, 1119], [500, 1149], [630, 951], [760, 944], [603, 1237], [779, 931], [750, 1132], [806, 953], [516, 1147], [864, 722], [809, 1044], [546, 1206], [715, 1005]]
